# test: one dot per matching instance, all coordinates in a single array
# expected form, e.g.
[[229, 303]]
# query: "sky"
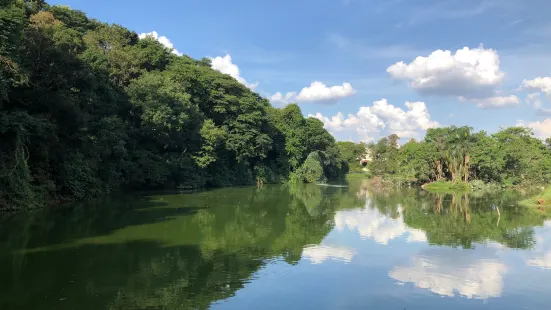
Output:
[[367, 68]]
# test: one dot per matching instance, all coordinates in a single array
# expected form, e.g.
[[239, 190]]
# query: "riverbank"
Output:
[[540, 201], [445, 186]]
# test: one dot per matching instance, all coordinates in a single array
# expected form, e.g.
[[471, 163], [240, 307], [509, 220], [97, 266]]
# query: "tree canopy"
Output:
[[511, 156]]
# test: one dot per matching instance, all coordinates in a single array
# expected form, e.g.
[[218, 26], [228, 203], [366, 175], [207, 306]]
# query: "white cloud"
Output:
[[317, 254], [472, 73], [446, 272], [162, 39], [316, 92], [534, 99], [371, 119], [226, 66], [542, 84], [493, 102], [371, 223], [280, 99], [542, 129]]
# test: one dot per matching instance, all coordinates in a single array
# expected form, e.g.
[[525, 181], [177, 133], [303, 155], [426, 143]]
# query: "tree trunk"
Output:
[[438, 170], [466, 168]]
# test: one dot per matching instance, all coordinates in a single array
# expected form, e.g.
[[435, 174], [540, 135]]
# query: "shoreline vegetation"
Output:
[[458, 159]]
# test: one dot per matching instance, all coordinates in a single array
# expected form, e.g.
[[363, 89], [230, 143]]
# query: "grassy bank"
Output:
[[541, 200], [446, 186]]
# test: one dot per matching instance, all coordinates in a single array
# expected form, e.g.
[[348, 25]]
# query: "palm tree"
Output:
[[459, 142]]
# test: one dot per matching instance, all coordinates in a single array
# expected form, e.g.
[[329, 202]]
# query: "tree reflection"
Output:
[[460, 219], [167, 252]]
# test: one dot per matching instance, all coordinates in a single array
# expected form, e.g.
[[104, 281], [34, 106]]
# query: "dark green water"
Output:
[[311, 247]]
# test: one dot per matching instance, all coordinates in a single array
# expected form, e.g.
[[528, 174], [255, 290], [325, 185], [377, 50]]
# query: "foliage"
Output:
[[351, 153], [541, 201], [87, 108], [510, 157], [317, 167], [480, 186]]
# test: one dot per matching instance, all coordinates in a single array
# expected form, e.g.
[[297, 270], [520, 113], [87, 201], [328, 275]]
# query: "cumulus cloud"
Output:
[[316, 92], [162, 39], [319, 253], [372, 119], [370, 223], [364, 122], [280, 99], [226, 66], [542, 129], [471, 73], [542, 84], [446, 272], [493, 102]]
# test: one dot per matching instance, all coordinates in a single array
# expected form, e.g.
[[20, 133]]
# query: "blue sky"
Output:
[[350, 47]]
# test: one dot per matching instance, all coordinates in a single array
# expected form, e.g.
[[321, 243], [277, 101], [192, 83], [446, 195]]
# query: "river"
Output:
[[279, 247]]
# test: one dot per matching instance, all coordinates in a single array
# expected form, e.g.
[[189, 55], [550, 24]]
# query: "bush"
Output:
[[477, 185], [311, 170], [460, 186], [480, 186]]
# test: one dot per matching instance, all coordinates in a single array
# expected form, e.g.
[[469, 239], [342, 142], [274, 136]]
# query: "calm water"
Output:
[[311, 247]]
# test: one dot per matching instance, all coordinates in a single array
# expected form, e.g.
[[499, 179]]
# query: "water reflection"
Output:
[[278, 247], [371, 223], [319, 253], [540, 257], [445, 271]]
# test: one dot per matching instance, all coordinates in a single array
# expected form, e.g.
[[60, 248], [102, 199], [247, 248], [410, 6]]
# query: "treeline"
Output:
[[510, 157], [87, 108]]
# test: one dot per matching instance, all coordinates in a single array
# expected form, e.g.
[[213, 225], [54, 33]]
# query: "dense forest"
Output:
[[87, 108], [510, 157]]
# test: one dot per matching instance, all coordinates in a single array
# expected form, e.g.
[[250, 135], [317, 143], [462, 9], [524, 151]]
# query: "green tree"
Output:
[[351, 153]]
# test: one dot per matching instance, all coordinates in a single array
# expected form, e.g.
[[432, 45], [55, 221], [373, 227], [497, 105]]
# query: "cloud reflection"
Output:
[[447, 272], [371, 223], [319, 253], [541, 255]]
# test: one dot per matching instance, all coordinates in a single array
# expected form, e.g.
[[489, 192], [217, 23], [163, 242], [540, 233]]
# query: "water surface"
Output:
[[306, 247]]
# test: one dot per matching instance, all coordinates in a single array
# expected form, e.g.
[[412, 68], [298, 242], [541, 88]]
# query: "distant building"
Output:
[[366, 157]]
